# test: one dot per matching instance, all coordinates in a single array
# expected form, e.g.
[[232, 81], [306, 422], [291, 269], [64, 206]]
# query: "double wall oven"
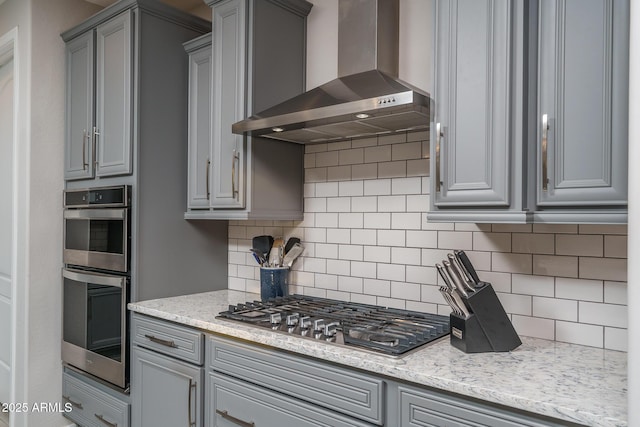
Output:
[[96, 277]]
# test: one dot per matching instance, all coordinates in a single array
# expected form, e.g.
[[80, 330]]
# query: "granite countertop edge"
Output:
[[583, 385]]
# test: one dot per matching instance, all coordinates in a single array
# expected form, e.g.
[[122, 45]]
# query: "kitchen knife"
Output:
[[466, 263], [459, 269], [455, 279], [444, 276], [447, 297], [465, 311]]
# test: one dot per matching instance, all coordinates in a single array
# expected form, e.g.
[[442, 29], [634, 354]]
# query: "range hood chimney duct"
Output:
[[367, 98], [368, 36]]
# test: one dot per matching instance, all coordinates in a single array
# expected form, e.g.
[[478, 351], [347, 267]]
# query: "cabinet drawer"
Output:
[[419, 408], [338, 389], [92, 407], [164, 337], [234, 402]]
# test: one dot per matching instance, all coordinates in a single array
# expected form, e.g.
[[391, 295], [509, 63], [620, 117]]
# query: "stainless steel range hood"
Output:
[[366, 99]]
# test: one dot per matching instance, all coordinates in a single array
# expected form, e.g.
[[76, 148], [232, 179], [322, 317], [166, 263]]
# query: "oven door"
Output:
[[97, 238], [94, 324]]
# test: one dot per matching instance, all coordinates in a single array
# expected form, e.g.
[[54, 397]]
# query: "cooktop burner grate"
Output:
[[384, 330]]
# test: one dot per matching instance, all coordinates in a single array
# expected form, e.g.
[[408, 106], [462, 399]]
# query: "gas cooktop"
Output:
[[383, 330]]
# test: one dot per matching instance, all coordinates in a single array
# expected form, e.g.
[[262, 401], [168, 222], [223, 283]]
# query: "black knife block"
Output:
[[487, 329]]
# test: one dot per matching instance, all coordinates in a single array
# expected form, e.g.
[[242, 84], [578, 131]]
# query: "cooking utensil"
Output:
[[445, 277], [459, 287], [290, 242], [468, 266], [293, 253], [460, 303], [262, 245], [447, 297], [459, 269]]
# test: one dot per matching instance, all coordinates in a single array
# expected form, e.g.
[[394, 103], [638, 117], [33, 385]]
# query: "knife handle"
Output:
[[466, 263], [457, 281], [445, 277]]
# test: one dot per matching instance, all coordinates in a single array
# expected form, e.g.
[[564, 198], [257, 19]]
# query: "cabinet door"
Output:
[[583, 102], [232, 402], [229, 103], [200, 128], [78, 154], [113, 96], [165, 391], [472, 86]]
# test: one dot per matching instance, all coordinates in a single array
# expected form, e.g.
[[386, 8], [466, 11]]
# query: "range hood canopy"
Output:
[[367, 98]]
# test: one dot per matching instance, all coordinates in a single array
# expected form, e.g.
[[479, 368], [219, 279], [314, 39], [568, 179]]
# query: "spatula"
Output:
[[295, 251]]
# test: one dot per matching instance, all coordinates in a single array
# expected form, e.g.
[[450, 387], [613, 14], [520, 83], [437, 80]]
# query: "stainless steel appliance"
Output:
[[96, 281], [96, 228], [366, 99], [383, 330], [94, 323]]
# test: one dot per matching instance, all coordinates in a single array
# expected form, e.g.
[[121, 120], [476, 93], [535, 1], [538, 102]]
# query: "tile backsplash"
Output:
[[367, 239]]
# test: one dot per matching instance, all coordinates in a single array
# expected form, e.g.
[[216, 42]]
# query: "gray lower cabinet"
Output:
[[418, 407], [167, 392], [248, 384], [92, 404], [244, 177], [99, 99], [531, 111], [252, 385], [167, 385]]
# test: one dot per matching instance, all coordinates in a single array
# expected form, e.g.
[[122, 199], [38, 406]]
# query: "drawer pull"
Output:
[[167, 343], [73, 403], [225, 415], [101, 418], [545, 139], [439, 135], [192, 385]]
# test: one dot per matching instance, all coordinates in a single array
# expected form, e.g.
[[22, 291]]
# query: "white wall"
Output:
[[40, 128], [634, 219]]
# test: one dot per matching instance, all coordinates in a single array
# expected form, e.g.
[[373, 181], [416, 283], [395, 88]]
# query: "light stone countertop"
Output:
[[580, 384]]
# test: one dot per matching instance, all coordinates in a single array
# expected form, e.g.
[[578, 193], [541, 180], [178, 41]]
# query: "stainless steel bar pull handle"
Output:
[[101, 418], [192, 386], [86, 136], [208, 167], [224, 414], [439, 135], [96, 134], [166, 343], [73, 403], [545, 137], [233, 173]]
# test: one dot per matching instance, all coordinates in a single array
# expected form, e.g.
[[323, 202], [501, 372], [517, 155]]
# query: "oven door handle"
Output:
[[96, 278], [95, 213]]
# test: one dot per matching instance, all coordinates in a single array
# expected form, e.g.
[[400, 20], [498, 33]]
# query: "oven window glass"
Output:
[[97, 235], [92, 317]]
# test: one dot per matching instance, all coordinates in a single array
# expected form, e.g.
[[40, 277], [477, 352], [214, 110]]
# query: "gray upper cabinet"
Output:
[[531, 111], [473, 115], [229, 100], [98, 110], [113, 96], [582, 102], [241, 177], [78, 154], [200, 86]]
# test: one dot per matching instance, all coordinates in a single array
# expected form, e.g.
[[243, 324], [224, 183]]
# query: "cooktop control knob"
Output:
[[276, 319], [318, 326], [292, 319], [330, 329], [305, 322]]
